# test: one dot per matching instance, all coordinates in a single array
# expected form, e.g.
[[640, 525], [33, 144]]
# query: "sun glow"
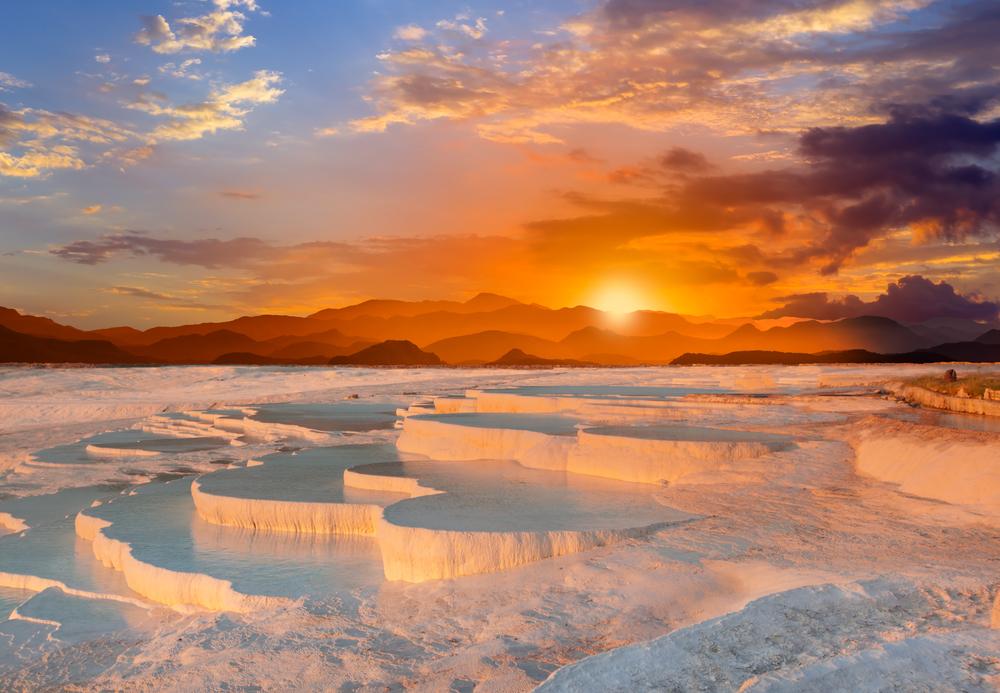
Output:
[[619, 298]]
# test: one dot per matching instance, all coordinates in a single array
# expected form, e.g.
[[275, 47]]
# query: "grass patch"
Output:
[[973, 385]]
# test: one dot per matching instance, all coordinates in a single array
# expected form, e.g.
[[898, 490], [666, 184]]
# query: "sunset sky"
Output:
[[167, 162]]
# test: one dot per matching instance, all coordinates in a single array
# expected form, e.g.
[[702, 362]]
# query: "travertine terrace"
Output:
[[644, 517]]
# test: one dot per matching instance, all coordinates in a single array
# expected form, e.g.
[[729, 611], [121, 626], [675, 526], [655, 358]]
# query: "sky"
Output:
[[189, 161]]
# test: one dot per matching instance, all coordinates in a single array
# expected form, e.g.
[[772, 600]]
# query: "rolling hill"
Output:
[[16, 347], [392, 352], [485, 329]]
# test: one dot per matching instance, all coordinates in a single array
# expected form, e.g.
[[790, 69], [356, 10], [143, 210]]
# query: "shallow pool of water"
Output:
[[541, 423], [10, 598], [683, 433], [310, 475], [947, 419], [160, 523], [345, 415], [50, 548], [129, 439], [493, 495], [609, 391]]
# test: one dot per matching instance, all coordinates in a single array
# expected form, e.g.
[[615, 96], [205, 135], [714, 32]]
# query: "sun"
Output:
[[619, 298]]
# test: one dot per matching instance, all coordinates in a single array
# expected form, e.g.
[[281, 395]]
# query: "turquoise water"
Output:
[[9, 600], [947, 419], [540, 423], [683, 433], [488, 495], [76, 453], [160, 523], [346, 415], [313, 475], [610, 391], [50, 548]]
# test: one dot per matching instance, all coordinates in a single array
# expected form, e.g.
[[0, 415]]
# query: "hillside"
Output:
[[973, 352], [515, 358], [487, 327], [16, 347], [392, 352]]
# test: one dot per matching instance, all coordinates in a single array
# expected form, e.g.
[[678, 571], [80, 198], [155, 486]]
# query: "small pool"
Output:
[[501, 496], [609, 391], [50, 548], [129, 439], [540, 423], [687, 434], [312, 475], [946, 419], [160, 523], [345, 415]]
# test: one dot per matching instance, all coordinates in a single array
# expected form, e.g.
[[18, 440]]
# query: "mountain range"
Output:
[[489, 330]]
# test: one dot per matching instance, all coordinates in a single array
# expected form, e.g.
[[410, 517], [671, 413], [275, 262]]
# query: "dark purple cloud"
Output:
[[911, 299], [924, 167], [761, 278], [684, 161], [204, 252]]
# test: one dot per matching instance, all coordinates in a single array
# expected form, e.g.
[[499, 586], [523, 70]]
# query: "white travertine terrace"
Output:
[[171, 587], [11, 523], [636, 454], [871, 584], [35, 583], [673, 455], [108, 451], [416, 554], [232, 425], [441, 437], [961, 467], [410, 553], [285, 515], [408, 486]]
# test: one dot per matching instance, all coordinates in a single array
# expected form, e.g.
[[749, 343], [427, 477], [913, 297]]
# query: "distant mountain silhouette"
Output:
[[483, 347], [196, 348], [257, 327], [296, 351], [973, 352], [383, 308], [39, 327], [868, 332], [485, 328], [991, 337], [16, 347], [941, 330], [976, 352], [392, 352], [516, 357], [788, 358], [538, 321]]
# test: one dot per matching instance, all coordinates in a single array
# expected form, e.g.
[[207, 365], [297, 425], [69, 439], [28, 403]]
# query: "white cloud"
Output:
[[224, 109], [34, 142], [183, 70], [462, 25], [219, 31], [103, 58], [411, 32], [37, 162], [9, 81]]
